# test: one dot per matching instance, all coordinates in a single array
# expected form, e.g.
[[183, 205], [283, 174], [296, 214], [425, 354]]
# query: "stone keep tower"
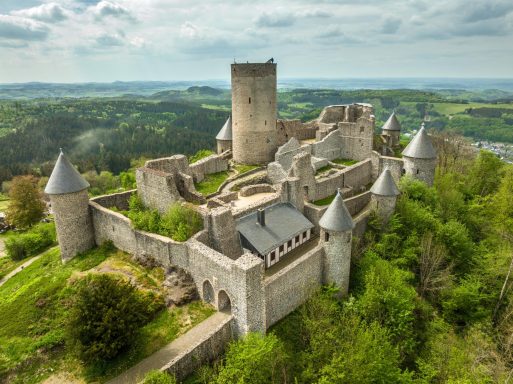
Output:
[[70, 204], [336, 235], [384, 195], [254, 134], [420, 158]]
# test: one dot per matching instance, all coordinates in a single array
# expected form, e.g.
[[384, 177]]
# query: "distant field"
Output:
[[453, 108]]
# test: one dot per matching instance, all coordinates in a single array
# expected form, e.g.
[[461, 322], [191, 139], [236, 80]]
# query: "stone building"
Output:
[[268, 241], [420, 158], [254, 112]]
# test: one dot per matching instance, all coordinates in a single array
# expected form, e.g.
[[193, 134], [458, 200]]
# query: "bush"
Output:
[[32, 242], [158, 377], [107, 314], [179, 223]]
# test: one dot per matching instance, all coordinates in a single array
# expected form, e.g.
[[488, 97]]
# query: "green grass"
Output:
[[7, 265], [34, 305], [325, 201], [452, 108], [324, 169], [201, 154], [347, 162], [243, 168], [211, 183]]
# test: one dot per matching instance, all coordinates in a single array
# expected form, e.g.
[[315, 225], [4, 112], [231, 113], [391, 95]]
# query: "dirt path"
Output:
[[22, 267], [162, 357], [2, 248]]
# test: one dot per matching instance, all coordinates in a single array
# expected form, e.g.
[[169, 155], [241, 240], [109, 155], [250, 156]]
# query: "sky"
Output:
[[125, 40]]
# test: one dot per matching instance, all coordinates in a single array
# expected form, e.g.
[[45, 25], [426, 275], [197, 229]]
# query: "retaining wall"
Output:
[[210, 347], [208, 165]]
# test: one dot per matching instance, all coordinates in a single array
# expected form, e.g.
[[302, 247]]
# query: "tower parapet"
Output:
[[70, 204], [254, 134]]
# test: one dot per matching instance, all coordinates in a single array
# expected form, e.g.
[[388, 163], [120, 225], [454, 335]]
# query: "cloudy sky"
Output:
[[108, 40]]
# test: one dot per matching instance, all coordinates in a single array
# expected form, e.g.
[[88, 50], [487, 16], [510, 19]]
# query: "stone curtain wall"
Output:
[[210, 347], [118, 200], [292, 286], [208, 165], [294, 128], [157, 189], [329, 147]]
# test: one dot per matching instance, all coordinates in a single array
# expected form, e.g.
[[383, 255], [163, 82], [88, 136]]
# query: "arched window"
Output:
[[208, 292], [223, 302]]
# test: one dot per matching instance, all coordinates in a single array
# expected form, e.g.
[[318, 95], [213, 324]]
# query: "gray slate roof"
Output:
[[392, 124], [65, 178], [337, 217], [420, 147], [385, 185], [226, 132], [282, 223]]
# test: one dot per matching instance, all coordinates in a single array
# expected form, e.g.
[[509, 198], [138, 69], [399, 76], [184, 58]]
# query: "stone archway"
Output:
[[208, 292], [224, 303]]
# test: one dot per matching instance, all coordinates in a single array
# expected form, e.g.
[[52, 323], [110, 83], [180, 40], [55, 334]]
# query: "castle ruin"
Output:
[[268, 240]]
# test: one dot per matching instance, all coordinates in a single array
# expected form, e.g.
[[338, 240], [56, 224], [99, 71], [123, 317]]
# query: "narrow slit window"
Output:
[[250, 100]]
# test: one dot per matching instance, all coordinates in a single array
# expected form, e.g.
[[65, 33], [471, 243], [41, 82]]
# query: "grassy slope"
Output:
[[211, 183], [34, 306]]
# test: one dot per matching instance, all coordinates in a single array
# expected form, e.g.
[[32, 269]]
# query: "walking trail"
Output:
[[21, 268], [2, 248], [162, 357]]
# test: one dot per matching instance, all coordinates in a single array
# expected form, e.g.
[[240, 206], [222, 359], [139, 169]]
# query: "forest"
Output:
[[105, 134]]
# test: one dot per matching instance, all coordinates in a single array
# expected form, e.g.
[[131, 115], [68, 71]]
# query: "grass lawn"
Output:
[[325, 201], [347, 162], [7, 265], [243, 168], [324, 169], [211, 183], [34, 305]]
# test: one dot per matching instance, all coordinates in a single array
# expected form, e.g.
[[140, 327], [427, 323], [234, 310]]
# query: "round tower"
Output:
[[255, 138], [420, 158], [392, 130], [336, 235], [70, 205], [384, 194], [224, 137]]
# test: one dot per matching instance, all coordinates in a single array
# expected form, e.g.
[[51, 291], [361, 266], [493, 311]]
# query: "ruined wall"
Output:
[[327, 186], [256, 188], [118, 200], [292, 286], [206, 166], [156, 189], [358, 175], [209, 348], [330, 147], [357, 138], [287, 151], [294, 128], [113, 226], [173, 164], [262, 203]]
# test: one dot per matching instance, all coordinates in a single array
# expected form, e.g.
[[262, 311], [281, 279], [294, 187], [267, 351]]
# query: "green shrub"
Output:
[[179, 223], [107, 314], [158, 377], [32, 242], [201, 154]]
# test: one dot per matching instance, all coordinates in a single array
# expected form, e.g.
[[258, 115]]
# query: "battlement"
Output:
[[253, 69]]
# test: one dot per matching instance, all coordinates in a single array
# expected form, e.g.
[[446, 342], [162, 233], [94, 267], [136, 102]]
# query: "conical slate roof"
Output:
[[226, 132], [392, 124], [337, 217], [385, 185], [420, 147], [65, 178]]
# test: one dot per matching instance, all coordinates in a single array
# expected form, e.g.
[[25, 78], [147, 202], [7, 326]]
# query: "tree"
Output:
[[107, 314], [26, 207]]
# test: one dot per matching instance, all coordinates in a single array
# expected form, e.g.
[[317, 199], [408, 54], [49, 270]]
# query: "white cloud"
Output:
[[50, 12], [20, 28], [105, 9]]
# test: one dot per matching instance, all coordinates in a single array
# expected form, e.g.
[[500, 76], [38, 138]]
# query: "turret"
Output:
[[255, 138], [420, 157], [70, 205], [336, 235], [224, 137], [384, 194], [392, 130]]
